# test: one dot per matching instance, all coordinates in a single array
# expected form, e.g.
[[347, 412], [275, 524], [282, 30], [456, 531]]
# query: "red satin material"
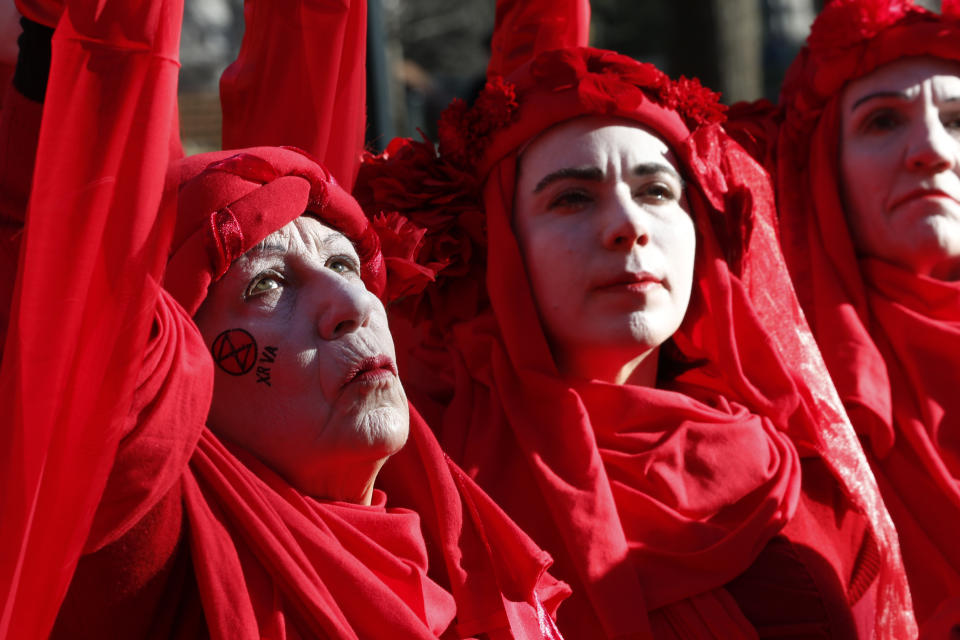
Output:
[[300, 79], [573, 464], [888, 337]]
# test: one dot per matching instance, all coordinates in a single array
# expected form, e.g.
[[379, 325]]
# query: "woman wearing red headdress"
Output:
[[867, 166], [610, 346], [150, 490]]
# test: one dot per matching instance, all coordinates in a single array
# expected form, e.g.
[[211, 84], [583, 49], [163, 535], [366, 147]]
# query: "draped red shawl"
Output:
[[107, 382], [890, 338], [634, 490]]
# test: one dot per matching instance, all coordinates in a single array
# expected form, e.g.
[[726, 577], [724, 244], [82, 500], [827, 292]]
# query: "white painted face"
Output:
[[899, 154], [603, 226], [306, 378]]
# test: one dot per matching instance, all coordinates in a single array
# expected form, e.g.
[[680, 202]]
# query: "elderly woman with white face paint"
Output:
[[202, 393], [622, 373], [867, 167]]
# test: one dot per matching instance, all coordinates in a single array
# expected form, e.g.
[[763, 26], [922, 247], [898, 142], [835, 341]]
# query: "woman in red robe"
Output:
[[866, 157], [125, 515], [610, 345]]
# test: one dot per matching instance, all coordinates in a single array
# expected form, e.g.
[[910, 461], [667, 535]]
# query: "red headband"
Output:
[[228, 201]]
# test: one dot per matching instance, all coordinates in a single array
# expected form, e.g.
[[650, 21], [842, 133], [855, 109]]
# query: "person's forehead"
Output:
[[304, 234], [586, 141], [905, 77]]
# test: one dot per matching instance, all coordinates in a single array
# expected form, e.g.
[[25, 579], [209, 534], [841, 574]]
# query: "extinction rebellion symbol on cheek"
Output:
[[235, 351]]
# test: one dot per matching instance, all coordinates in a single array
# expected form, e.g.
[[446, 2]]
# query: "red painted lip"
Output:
[[918, 194], [638, 282], [371, 369]]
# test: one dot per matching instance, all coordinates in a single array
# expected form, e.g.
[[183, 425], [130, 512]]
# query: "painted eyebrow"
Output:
[[594, 174], [879, 94]]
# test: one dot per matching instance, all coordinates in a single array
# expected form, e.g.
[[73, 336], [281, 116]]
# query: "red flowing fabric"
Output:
[[89, 250], [632, 489], [300, 79], [889, 337], [524, 28]]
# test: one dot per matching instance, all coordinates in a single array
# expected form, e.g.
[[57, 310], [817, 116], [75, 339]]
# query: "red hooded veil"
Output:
[[171, 532], [652, 534], [891, 338]]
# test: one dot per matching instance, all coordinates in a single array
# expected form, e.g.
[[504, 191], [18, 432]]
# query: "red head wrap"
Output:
[[228, 201], [889, 337], [567, 460]]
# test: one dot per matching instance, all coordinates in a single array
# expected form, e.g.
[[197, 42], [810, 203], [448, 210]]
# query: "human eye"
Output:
[[659, 191], [570, 199], [344, 264], [264, 282], [951, 122], [881, 120]]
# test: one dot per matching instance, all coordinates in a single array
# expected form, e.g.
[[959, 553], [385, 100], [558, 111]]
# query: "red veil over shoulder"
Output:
[[891, 339], [107, 384], [650, 499]]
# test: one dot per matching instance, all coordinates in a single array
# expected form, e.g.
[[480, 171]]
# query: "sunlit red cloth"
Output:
[[635, 490], [65, 383], [890, 338], [525, 28], [108, 384], [300, 79]]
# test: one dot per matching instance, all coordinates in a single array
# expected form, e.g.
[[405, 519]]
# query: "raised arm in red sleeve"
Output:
[[300, 80], [524, 28], [84, 298]]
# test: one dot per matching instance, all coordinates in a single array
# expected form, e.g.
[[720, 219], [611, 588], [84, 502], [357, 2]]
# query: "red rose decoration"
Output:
[[428, 215], [465, 132]]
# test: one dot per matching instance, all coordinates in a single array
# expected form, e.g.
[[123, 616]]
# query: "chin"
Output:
[[385, 429]]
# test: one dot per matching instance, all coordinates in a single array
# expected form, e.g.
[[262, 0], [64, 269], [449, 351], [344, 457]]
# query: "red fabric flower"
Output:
[[428, 214], [465, 132]]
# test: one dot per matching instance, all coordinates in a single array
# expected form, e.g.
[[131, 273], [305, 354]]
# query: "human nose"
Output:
[[625, 224], [932, 148], [343, 306]]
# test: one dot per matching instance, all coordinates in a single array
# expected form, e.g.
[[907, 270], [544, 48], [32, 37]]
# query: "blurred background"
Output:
[[423, 53]]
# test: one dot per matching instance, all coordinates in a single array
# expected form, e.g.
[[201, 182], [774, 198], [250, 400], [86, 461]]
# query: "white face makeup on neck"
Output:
[[899, 155], [306, 378], [602, 223]]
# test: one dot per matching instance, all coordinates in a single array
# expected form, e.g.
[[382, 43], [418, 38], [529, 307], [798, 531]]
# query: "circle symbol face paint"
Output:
[[234, 351]]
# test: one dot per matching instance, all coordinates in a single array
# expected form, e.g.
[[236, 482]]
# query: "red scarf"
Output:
[[573, 463], [889, 338]]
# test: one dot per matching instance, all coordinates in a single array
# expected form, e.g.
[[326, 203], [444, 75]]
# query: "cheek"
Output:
[[244, 357]]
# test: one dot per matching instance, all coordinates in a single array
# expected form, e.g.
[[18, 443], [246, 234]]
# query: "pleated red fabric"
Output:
[[651, 500], [300, 79], [888, 337]]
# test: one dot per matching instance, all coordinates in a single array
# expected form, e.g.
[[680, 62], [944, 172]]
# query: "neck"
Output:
[[353, 484], [640, 370]]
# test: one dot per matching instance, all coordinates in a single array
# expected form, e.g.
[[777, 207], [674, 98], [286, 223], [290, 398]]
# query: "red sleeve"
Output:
[[524, 28], [93, 252], [300, 80]]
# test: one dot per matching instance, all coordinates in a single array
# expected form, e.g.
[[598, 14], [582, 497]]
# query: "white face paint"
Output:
[[322, 405], [900, 148], [609, 245]]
